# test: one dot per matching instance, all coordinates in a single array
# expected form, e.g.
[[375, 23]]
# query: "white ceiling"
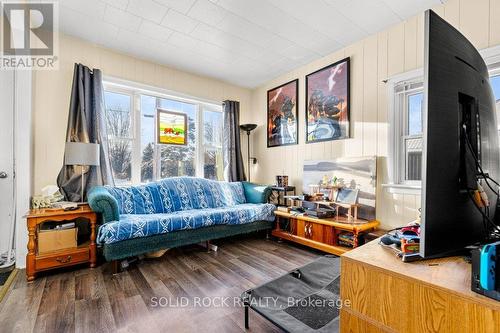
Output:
[[244, 42]]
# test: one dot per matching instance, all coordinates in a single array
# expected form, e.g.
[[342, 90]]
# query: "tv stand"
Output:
[[322, 234], [389, 295]]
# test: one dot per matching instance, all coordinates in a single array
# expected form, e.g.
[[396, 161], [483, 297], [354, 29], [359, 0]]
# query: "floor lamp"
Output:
[[82, 154], [248, 128]]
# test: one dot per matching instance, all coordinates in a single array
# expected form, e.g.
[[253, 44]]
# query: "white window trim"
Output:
[[395, 166], [135, 90], [491, 57]]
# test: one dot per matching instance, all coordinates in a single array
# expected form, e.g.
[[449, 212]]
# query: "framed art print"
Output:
[[282, 114], [172, 127], [327, 103]]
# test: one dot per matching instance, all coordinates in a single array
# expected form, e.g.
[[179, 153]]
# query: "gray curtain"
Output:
[[86, 123], [233, 161]]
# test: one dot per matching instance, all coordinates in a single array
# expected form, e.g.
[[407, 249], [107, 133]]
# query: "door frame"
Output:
[[23, 147]]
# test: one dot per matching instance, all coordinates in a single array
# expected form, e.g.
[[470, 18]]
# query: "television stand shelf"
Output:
[[321, 234]]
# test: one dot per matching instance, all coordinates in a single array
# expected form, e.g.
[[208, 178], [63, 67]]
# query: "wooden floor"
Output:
[[94, 300]]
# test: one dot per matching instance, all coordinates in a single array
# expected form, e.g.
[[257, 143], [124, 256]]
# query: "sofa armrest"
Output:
[[101, 201], [256, 193]]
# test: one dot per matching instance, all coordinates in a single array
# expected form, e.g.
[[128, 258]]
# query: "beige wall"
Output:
[[51, 93], [396, 50]]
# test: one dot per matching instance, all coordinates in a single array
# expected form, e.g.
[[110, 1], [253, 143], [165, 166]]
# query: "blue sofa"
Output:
[[176, 211]]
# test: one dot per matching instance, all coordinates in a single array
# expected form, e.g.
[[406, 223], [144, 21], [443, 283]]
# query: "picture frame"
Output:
[[172, 128], [347, 196], [282, 115], [327, 104]]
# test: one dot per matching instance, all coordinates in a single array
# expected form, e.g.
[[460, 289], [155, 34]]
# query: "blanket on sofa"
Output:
[[143, 225]]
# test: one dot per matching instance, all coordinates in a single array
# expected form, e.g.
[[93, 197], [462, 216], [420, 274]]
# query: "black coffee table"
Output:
[[303, 300]]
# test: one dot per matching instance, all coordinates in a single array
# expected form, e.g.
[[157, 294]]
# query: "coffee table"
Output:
[[303, 300]]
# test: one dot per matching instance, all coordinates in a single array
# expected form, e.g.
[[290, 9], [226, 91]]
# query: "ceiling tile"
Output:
[[94, 8], [182, 40], [272, 18], [179, 22], [207, 12], [244, 29], [215, 52], [121, 19], [182, 6], [407, 8], [240, 41], [155, 31], [147, 9], [88, 28], [225, 40], [319, 17], [120, 4], [372, 16]]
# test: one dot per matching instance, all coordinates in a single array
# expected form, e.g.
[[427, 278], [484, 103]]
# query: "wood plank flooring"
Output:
[[157, 295]]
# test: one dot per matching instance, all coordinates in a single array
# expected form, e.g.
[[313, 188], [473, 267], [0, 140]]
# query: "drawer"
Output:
[[61, 259]]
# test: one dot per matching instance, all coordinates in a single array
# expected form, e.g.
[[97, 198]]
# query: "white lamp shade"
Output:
[[79, 153]]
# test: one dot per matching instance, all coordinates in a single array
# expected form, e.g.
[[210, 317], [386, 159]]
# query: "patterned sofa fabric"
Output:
[[177, 194], [142, 225], [173, 204]]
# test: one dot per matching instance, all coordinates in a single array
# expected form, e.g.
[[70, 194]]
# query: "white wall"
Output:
[[394, 51]]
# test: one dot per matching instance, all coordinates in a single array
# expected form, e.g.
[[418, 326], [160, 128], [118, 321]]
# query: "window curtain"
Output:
[[86, 123], [231, 145]]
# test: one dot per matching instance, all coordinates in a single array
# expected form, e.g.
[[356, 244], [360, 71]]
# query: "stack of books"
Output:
[[346, 239]]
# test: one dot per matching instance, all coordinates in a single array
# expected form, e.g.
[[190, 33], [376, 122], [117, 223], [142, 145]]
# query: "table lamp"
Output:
[[82, 154]]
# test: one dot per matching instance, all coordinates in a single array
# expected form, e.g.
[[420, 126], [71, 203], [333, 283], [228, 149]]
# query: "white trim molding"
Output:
[[491, 55], [403, 189], [23, 147]]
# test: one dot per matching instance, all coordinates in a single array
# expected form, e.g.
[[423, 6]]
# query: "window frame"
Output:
[[135, 90], [398, 117], [404, 136], [133, 133]]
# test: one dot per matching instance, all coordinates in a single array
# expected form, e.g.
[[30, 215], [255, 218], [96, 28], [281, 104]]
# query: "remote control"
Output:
[[487, 267]]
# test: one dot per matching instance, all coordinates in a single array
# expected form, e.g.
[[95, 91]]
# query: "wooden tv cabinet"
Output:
[[321, 234], [388, 295]]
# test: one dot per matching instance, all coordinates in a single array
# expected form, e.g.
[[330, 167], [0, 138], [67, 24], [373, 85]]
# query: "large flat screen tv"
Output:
[[460, 142]]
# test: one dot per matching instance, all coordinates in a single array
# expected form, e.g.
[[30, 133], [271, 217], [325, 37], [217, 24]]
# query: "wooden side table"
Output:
[[83, 253]]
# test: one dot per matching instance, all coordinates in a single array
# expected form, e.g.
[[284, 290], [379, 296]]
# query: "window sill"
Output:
[[403, 189]]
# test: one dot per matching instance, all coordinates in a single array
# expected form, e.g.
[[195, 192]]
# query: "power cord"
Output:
[[484, 214]]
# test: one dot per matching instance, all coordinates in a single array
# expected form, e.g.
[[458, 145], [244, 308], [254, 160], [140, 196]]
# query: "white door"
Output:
[[6, 155]]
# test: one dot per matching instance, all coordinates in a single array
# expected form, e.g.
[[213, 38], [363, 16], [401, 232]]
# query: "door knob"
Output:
[[3, 174]]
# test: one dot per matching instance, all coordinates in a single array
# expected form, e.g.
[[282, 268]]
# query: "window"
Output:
[[407, 117], [406, 114], [119, 127], [136, 156], [212, 144], [495, 84]]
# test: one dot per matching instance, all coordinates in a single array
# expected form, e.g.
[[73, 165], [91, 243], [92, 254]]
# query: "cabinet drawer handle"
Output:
[[64, 260]]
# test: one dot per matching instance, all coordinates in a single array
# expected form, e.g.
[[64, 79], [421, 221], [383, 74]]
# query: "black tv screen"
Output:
[[460, 128]]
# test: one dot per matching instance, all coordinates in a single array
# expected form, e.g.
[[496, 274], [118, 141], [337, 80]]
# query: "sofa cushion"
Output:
[[255, 193], [142, 225], [177, 194]]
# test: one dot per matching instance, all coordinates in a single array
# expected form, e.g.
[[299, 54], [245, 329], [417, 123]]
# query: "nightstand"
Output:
[[83, 253]]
